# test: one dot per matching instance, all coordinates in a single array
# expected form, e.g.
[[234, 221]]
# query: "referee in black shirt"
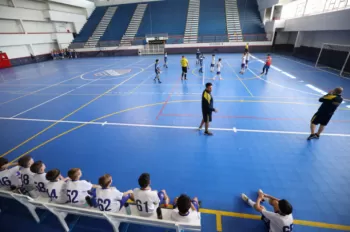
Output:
[[207, 108], [330, 103]]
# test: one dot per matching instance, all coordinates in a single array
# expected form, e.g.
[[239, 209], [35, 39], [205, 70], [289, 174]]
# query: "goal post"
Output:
[[335, 57]]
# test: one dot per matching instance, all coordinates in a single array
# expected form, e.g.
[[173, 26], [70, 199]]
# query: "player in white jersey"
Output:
[[219, 66], [185, 210], [244, 58], [148, 200], [9, 177], [56, 188], [39, 178], [165, 60], [109, 198], [78, 190], [281, 219], [247, 60], [27, 175], [212, 65]]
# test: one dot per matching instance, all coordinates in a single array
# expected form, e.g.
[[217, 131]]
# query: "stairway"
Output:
[[133, 25], [191, 31], [101, 28], [232, 21]]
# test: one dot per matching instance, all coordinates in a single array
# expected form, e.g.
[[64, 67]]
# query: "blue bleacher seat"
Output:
[[212, 21], [90, 25], [119, 23], [165, 17], [249, 17]]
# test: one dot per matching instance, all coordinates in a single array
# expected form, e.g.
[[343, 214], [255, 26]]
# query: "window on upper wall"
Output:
[[342, 4]]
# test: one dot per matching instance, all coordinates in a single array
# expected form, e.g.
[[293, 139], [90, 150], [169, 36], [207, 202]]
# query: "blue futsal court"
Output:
[[106, 115]]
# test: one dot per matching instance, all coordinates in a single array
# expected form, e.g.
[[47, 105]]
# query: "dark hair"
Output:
[[35, 168], [208, 84], [24, 161], [338, 90], [157, 60], [285, 207], [3, 161], [144, 180], [73, 173], [105, 180], [268, 54], [219, 59], [213, 54], [53, 174], [183, 56], [183, 204]]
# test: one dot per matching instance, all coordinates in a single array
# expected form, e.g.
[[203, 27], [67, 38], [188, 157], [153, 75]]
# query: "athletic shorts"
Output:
[[266, 222], [165, 59], [321, 118], [207, 116], [242, 65], [184, 69], [212, 65], [218, 73], [246, 62]]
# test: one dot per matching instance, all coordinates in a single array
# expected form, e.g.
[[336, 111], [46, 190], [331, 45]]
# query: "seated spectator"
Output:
[[148, 201], [70, 54], [78, 190], [56, 188], [39, 178], [27, 176], [185, 210], [109, 198], [279, 220], [75, 54], [9, 177]]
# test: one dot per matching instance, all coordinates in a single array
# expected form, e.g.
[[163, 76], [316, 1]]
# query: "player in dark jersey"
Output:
[[330, 103]]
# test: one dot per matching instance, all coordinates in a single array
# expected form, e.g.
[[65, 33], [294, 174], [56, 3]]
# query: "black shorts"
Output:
[[321, 118], [184, 69], [207, 116]]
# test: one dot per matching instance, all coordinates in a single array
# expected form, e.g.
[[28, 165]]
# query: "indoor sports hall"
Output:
[[83, 94]]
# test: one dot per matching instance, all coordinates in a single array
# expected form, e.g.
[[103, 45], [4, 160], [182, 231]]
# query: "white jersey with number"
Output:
[[213, 60], [40, 183], [57, 191], [244, 59], [10, 177], [191, 217], [147, 201], [27, 178], [109, 199], [77, 191], [219, 66], [278, 222]]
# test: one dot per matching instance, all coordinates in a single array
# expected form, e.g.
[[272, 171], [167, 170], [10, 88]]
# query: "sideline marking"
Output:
[[73, 112], [3, 103], [61, 95], [220, 213], [239, 79]]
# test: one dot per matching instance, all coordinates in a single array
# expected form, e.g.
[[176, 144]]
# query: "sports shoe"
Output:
[[199, 128], [244, 198], [221, 78], [208, 133], [312, 136], [159, 82], [262, 73]]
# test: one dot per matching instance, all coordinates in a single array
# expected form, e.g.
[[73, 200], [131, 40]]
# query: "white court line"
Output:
[[105, 123], [240, 79], [63, 94]]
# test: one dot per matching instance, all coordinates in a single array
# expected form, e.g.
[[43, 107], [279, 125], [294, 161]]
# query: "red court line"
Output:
[[168, 98], [249, 117]]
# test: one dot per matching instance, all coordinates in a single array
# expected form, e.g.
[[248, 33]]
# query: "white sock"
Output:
[[251, 203]]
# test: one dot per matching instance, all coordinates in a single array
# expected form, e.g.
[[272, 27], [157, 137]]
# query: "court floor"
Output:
[[106, 115]]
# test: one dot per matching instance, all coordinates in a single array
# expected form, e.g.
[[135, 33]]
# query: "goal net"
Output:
[[335, 57]]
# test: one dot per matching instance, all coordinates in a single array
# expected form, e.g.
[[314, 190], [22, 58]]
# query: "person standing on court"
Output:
[[330, 103], [185, 67], [207, 108]]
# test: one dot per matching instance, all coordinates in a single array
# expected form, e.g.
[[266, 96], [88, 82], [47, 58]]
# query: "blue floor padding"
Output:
[[156, 134]]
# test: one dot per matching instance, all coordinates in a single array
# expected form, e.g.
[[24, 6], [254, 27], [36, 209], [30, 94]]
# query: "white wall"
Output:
[[317, 38], [8, 26], [336, 20], [119, 2], [40, 26]]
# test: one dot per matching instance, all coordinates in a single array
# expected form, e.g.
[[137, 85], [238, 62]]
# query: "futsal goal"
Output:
[[335, 57]]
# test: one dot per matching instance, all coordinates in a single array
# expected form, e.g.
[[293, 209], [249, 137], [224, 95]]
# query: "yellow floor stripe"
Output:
[[218, 223]]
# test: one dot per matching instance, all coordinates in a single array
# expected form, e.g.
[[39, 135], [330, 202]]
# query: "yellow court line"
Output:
[[219, 213], [70, 114], [47, 87], [240, 79], [125, 110], [218, 223]]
